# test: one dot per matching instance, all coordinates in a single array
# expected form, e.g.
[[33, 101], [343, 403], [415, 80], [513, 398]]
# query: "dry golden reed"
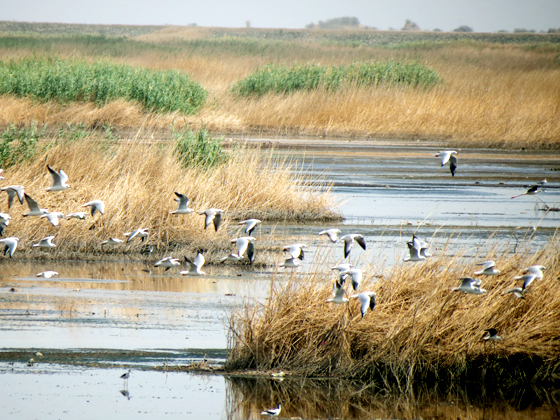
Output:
[[137, 181], [420, 328]]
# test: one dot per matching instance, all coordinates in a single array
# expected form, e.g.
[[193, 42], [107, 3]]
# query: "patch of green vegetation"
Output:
[[18, 145], [285, 80], [198, 149], [78, 81]]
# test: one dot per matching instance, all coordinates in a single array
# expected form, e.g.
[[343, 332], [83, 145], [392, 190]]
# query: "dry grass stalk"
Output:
[[420, 328], [137, 181]]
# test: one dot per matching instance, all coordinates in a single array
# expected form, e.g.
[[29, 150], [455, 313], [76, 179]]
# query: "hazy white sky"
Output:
[[481, 15]]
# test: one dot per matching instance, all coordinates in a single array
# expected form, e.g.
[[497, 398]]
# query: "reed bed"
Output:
[[420, 329], [137, 181]]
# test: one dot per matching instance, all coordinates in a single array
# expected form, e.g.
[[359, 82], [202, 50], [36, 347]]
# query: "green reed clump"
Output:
[[281, 79], [18, 145], [78, 81], [198, 149]]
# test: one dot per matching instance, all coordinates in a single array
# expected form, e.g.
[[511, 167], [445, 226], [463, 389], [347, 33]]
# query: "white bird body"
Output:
[[272, 412], [331, 233], [414, 253], [46, 242], [183, 207], [445, 156], [78, 215], [518, 292], [167, 262], [112, 242], [13, 191], [295, 250], [469, 285], [58, 180], [349, 242], [492, 335], [356, 274], [142, 233], [47, 274], [126, 375], [488, 269], [250, 225], [231, 257], [338, 293], [342, 267], [527, 279], [11, 245], [367, 300], [34, 209], [96, 205], [53, 217], [242, 244], [194, 266], [536, 270], [212, 216], [290, 263]]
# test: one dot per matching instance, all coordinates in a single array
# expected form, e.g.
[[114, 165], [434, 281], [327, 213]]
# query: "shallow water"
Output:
[[387, 193]]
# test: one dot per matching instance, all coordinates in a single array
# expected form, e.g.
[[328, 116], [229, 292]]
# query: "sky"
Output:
[[480, 15]]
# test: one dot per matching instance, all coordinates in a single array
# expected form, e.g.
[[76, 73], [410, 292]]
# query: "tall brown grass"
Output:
[[137, 181], [493, 94], [420, 328]]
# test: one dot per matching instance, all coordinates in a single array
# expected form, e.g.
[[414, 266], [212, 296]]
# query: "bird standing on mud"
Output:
[[272, 412]]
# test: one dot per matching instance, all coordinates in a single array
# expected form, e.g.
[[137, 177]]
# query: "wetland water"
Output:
[[96, 319]]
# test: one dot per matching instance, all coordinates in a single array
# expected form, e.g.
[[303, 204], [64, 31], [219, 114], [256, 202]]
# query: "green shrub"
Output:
[[18, 145], [75, 80], [285, 80], [198, 149]]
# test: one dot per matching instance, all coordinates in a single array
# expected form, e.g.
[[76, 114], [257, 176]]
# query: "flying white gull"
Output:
[[167, 262], [445, 156], [355, 274], [527, 280], [349, 242], [367, 300], [231, 257], [13, 191], [142, 233], [194, 266], [78, 215], [338, 292], [243, 245], [421, 246], [212, 216], [58, 180], [342, 267], [10, 244], [536, 270], [250, 225], [488, 269], [46, 242], [183, 207], [47, 274], [414, 253], [295, 250], [272, 412], [34, 209], [469, 285], [96, 205], [112, 242], [290, 263], [331, 233], [53, 217]]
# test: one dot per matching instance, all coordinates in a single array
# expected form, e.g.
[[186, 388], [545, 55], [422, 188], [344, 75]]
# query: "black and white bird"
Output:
[[535, 189], [290, 263], [4, 222], [469, 285], [338, 292], [331, 233], [245, 245], [295, 250], [536, 270], [58, 180], [112, 242], [14, 191], [212, 216], [183, 207], [445, 156], [10, 245], [355, 275], [194, 266], [488, 269], [349, 242], [34, 209], [47, 274], [250, 225], [491, 334], [96, 205], [125, 375], [453, 164], [46, 242], [414, 253], [53, 217], [367, 300], [527, 279], [141, 233], [272, 412], [167, 262], [77, 215]]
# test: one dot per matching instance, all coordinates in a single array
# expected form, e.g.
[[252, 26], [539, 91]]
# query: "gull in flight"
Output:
[[250, 225], [212, 216], [34, 209], [167, 262], [183, 207], [46, 242], [342, 267], [47, 274], [338, 292], [4, 222], [231, 257], [295, 250], [58, 180], [536, 270], [446, 156], [488, 269], [531, 191], [367, 300], [141, 233], [290, 263], [96, 205], [469, 285], [194, 266], [331, 233], [245, 245], [349, 242], [78, 215], [13, 191], [112, 242], [414, 253], [10, 245], [272, 412], [53, 217], [422, 247], [492, 335], [527, 280], [355, 274]]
